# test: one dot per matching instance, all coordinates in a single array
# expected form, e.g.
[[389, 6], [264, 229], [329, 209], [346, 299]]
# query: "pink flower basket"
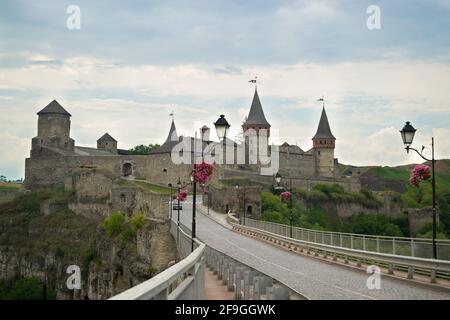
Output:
[[285, 196], [202, 172], [418, 173], [182, 195]]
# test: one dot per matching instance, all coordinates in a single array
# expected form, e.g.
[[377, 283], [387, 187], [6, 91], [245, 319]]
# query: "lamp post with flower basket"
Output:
[[422, 172], [286, 196]]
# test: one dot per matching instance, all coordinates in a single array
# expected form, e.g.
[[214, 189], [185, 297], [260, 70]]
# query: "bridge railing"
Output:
[[182, 281], [411, 247], [410, 265]]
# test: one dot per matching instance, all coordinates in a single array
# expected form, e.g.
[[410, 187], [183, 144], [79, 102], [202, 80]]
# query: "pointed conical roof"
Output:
[[107, 137], [173, 136], [171, 141], [54, 108], [256, 115], [323, 131]]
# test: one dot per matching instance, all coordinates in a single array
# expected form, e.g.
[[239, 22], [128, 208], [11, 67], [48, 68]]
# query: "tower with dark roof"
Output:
[[255, 127], [108, 143], [53, 129], [256, 119], [323, 146], [171, 140]]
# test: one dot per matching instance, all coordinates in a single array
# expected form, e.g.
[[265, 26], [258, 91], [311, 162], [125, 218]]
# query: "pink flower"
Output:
[[285, 195], [202, 172], [418, 173], [182, 195]]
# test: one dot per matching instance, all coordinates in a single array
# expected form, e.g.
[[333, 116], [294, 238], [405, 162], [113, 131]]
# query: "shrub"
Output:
[[113, 224], [137, 220], [88, 255]]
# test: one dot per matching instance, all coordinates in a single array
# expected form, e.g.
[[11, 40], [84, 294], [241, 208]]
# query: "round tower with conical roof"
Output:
[[323, 147], [53, 129], [255, 128]]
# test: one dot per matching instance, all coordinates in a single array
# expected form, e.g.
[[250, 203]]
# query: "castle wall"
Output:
[[294, 164], [40, 172]]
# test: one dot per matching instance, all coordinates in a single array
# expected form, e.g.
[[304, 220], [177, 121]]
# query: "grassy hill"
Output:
[[421, 197]]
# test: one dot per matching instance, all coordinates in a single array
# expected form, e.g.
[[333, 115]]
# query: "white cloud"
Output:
[[418, 87]]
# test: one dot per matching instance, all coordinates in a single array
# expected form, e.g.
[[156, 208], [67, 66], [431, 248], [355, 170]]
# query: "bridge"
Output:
[[260, 261]]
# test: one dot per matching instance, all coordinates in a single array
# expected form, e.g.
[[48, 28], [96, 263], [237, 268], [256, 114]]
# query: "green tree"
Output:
[[143, 149]]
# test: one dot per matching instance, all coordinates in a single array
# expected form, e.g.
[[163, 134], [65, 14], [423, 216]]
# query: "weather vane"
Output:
[[323, 101], [171, 114], [255, 81]]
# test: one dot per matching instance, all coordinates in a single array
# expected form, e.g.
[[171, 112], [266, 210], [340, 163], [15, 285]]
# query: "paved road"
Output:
[[308, 276]]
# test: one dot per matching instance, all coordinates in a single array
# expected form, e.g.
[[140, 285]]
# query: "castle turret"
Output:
[[252, 128], [53, 129], [171, 141], [108, 143], [256, 119], [323, 146]]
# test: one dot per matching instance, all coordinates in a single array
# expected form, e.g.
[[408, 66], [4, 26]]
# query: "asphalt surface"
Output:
[[308, 276]]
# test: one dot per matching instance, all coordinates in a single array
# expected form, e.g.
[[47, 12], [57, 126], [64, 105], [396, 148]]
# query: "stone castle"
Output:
[[54, 155]]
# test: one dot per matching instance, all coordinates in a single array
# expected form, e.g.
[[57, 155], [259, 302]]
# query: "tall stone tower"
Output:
[[53, 131], [255, 122], [323, 146], [108, 143]]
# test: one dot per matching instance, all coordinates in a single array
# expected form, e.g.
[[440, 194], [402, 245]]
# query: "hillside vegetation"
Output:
[[422, 197], [319, 218]]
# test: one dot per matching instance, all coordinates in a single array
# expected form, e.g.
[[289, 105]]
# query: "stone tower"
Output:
[[53, 131], [108, 143], [255, 122], [323, 146]]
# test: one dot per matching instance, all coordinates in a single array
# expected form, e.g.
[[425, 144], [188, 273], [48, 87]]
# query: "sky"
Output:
[[131, 63]]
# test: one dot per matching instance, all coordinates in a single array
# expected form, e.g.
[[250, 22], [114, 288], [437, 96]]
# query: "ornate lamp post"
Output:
[[222, 127], [408, 133], [243, 193], [178, 209], [171, 200], [278, 180], [170, 186], [194, 200]]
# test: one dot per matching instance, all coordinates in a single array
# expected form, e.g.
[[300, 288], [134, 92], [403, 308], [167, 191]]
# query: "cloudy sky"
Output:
[[132, 62]]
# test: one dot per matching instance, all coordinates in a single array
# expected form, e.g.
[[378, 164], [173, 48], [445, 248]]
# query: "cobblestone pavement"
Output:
[[313, 278]]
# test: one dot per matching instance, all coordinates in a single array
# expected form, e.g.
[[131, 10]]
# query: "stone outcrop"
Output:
[[70, 232]]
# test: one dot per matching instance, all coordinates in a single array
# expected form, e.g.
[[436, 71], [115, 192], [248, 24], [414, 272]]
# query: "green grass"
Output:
[[147, 186], [10, 186], [152, 187], [389, 173]]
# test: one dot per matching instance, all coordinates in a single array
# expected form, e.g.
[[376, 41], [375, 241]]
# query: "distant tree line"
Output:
[[142, 149]]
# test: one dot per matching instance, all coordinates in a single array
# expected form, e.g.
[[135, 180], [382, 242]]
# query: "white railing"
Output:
[[182, 281], [402, 246], [430, 267]]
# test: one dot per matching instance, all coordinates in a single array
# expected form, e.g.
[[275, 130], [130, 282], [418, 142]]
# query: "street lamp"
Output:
[[407, 133], [222, 127], [170, 186], [194, 200], [278, 180], [178, 209], [171, 201], [243, 193]]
